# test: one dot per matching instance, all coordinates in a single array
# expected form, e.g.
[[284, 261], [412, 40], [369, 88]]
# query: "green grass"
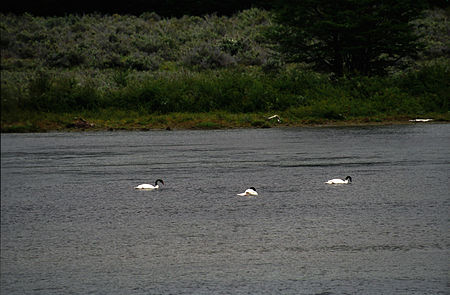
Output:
[[122, 72], [239, 90], [108, 119]]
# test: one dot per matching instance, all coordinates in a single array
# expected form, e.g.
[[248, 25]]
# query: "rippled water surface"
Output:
[[71, 222]]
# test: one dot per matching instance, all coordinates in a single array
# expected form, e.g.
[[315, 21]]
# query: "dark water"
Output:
[[71, 222]]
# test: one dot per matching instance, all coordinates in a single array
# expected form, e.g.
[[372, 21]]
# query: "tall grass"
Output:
[[148, 65], [238, 90]]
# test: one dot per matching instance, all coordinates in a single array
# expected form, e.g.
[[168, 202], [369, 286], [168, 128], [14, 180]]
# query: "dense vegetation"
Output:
[[133, 69], [348, 36], [166, 8]]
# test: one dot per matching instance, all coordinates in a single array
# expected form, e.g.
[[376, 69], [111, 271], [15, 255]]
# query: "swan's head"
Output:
[[159, 180], [348, 178], [253, 188]]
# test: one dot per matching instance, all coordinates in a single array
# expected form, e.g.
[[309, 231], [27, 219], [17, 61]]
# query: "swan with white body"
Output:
[[147, 186], [249, 192], [348, 179]]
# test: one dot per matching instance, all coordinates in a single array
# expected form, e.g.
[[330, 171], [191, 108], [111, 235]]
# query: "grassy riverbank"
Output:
[[111, 120], [97, 72], [225, 98]]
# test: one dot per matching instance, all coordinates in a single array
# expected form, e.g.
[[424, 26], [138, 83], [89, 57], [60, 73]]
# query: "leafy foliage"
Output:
[[129, 42], [434, 32], [233, 90], [347, 36], [149, 65]]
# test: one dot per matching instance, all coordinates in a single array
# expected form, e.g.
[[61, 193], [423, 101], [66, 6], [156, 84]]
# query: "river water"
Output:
[[71, 222]]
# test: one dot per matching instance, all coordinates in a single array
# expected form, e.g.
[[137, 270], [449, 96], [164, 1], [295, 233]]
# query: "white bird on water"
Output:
[[339, 181], [146, 186], [249, 192], [421, 120]]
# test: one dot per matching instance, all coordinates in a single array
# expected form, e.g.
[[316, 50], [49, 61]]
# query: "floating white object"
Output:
[[249, 192], [421, 120], [339, 181], [146, 186]]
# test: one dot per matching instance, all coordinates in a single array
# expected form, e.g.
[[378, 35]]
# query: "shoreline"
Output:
[[189, 121]]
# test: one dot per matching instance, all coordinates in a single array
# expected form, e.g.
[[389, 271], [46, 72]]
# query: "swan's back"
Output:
[[336, 181], [146, 186], [249, 192]]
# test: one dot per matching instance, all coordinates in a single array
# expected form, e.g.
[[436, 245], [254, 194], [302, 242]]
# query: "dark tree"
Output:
[[347, 36]]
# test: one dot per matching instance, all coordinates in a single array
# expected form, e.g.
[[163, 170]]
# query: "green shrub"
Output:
[[208, 125], [430, 83], [207, 57]]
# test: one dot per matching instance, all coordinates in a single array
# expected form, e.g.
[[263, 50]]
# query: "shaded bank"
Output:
[[226, 98], [113, 120], [123, 72]]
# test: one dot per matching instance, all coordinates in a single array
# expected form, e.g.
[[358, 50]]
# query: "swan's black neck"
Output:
[[158, 180], [253, 188]]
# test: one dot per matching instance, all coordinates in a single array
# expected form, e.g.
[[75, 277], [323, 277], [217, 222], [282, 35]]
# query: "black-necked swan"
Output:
[[149, 186], [249, 192], [339, 181]]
